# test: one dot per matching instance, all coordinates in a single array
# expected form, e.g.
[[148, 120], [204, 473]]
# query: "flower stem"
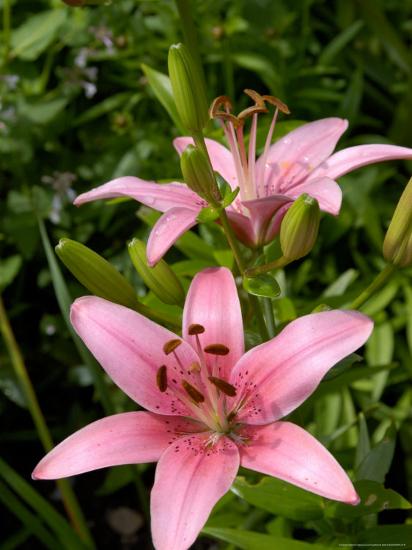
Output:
[[375, 285], [276, 264], [234, 245], [69, 499]]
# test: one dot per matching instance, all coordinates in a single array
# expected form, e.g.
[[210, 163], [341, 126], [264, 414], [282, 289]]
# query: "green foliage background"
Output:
[[76, 110]]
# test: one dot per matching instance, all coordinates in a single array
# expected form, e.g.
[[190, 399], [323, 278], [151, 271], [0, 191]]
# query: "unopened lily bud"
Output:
[[95, 273], [198, 174], [299, 229], [188, 89], [160, 278], [397, 246]]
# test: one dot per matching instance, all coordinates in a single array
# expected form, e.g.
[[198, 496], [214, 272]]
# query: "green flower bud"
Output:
[[198, 174], [188, 89], [160, 278], [96, 273], [397, 246], [299, 229]]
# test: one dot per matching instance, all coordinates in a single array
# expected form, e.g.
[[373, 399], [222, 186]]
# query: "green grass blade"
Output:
[[50, 516], [30, 520]]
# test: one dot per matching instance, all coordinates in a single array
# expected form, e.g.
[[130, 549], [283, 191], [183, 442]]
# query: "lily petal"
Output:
[[350, 159], [295, 155], [326, 191], [126, 438], [288, 452], [288, 368], [243, 227], [167, 230], [158, 196], [213, 302], [190, 479], [262, 211], [130, 349], [220, 157]]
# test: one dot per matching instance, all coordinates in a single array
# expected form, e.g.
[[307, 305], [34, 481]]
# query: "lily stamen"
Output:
[[192, 392], [171, 345], [161, 378]]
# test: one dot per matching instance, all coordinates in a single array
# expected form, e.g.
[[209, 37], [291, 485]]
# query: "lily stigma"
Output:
[[211, 407]]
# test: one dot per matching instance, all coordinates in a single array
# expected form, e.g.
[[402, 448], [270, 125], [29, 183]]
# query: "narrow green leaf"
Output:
[[64, 300], [30, 520], [379, 351], [387, 34], [106, 106], [331, 50], [53, 519], [363, 448], [162, 88]]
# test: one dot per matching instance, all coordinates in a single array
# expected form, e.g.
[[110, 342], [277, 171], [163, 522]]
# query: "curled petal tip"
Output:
[[355, 500]]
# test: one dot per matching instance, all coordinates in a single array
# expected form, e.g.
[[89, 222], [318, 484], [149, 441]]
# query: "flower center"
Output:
[[250, 175], [200, 387]]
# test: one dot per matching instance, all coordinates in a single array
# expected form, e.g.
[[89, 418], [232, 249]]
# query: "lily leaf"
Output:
[[374, 498], [263, 285], [280, 498]]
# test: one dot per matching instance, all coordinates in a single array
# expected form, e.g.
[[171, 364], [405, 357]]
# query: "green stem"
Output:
[[68, 496], [376, 284], [234, 245], [276, 264], [6, 30]]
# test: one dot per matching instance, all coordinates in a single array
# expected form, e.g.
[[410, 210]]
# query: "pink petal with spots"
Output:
[[350, 159], [213, 302], [280, 374], [158, 196], [167, 230], [130, 349], [326, 191], [127, 438], [220, 157], [295, 155], [189, 481], [288, 452]]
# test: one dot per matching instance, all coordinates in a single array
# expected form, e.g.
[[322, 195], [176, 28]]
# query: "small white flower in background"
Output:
[[61, 183]]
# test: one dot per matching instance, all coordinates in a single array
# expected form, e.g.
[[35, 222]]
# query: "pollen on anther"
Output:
[[223, 386], [161, 378], [216, 349], [171, 345], [193, 392], [195, 329]]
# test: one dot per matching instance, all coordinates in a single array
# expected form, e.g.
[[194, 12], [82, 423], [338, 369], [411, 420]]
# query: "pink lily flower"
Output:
[[211, 407], [300, 162]]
